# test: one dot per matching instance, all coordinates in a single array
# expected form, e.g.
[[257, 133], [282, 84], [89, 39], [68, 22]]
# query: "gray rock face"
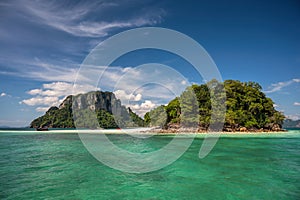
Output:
[[90, 110], [96, 101]]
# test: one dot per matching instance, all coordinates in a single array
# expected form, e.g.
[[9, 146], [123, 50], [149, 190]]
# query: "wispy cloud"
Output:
[[296, 103], [90, 21], [297, 80], [78, 20], [275, 87], [37, 69], [293, 117]]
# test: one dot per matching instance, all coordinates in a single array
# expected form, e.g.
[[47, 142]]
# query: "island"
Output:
[[289, 123], [248, 109], [91, 110]]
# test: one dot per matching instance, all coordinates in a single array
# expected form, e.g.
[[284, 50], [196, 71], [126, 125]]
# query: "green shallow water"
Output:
[[37, 165]]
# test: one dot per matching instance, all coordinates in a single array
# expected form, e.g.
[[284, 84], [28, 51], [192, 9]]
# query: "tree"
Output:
[[246, 106], [189, 108], [158, 117]]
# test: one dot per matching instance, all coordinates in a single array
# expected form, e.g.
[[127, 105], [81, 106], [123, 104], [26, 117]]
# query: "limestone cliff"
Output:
[[90, 110]]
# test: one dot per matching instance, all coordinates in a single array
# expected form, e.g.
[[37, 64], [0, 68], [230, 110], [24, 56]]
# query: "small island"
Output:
[[247, 110]]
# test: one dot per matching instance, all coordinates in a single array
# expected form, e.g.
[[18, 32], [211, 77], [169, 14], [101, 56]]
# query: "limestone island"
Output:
[[247, 110]]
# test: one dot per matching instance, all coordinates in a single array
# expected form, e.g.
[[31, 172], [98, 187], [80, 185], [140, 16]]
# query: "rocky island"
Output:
[[247, 110], [289, 123], [92, 110]]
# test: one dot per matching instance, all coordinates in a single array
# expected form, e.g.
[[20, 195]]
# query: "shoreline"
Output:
[[203, 132], [145, 131]]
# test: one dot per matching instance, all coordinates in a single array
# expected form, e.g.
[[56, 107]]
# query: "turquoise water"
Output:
[[48, 165]]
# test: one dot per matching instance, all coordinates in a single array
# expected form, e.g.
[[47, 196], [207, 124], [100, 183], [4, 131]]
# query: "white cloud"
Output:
[[142, 108], [275, 87], [296, 103], [124, 97], [97, 29], [59, 89], [3, 94], [41, 70], [50, 72], [52, 94], [35, 91], [75, 20], [39, 100], [147, 105], [138, 97], [42, 109], [297, 80]]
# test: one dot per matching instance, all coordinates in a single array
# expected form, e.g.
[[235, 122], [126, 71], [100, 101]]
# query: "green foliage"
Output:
[[189, 108], [87, 117], [147, 119], [135, 120], [55, 118], [156, 117], [246, 106], [173, 111]]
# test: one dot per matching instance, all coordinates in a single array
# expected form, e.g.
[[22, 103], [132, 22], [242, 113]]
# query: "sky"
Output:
[[44, 43]]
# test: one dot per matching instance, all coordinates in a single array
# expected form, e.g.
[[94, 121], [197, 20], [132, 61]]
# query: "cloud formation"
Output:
[[275, 87], [139, 88], [144, 107], [296, 103], [41, 70], [123, 96], [79, 19], [52, 94], [62, 33]]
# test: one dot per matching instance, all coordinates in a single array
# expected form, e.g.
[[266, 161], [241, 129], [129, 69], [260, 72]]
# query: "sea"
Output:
[[56, 165]]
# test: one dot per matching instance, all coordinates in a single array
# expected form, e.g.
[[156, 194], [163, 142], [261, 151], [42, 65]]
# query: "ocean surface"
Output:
[[47, 165]]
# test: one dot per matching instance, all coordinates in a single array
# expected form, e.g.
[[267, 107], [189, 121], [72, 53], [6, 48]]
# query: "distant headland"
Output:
[[247, 110]]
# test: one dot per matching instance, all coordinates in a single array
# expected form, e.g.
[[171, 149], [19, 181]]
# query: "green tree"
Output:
[[189, 108]]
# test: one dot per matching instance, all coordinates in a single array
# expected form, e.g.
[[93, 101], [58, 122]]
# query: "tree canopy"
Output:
[[246, 106]]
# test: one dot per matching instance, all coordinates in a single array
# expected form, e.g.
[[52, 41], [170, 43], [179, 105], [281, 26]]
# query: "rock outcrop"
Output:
[[90, 110]]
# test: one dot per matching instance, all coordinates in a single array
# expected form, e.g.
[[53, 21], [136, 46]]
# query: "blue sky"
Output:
[[43, 43]]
